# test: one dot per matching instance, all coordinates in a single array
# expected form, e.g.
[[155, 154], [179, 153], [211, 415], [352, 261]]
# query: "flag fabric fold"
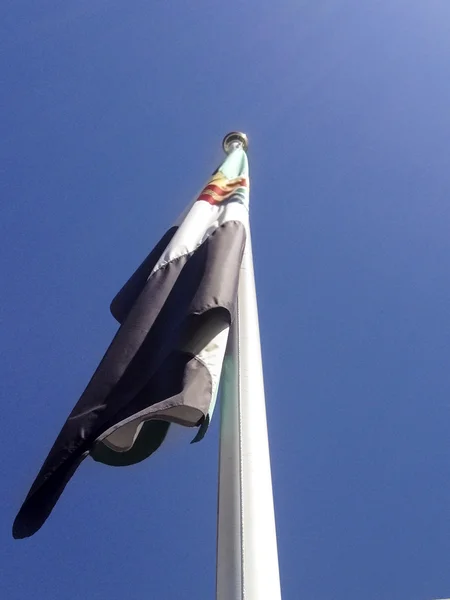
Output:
[[164, 363]]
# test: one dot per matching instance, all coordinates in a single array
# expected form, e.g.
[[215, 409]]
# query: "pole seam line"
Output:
[[241, 461]]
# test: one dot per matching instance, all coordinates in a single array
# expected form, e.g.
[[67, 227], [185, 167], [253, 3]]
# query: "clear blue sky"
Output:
[[112, 115]]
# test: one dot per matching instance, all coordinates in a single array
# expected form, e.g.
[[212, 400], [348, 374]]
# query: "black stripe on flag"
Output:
[[150, 366]]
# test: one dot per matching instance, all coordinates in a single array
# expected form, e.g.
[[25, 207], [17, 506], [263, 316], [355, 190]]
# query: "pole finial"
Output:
[[234, 139]]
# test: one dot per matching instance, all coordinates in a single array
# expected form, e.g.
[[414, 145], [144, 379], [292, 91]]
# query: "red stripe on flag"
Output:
[[208, 198], [215, 188]]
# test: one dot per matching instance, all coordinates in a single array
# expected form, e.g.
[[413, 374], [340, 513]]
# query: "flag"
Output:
[[164, 363]]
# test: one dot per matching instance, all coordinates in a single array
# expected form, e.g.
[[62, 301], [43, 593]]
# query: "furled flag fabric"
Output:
[[164, 364]]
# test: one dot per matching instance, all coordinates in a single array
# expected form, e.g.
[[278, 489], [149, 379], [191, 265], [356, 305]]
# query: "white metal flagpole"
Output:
[[247, 556], [229, 513]]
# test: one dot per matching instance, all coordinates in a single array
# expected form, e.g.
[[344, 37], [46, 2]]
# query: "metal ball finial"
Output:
[[235, 137]]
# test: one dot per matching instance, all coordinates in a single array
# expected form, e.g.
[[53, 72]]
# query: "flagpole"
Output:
[[247, 556], [229, 531]]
